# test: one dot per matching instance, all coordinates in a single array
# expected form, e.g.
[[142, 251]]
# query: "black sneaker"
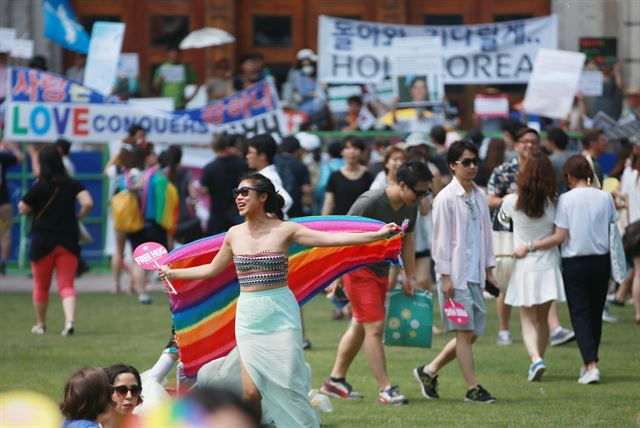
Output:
[[306, 344], [428, 384], [3, 268], [479, 395]]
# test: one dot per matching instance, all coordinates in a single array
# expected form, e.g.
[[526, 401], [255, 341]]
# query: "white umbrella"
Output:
[[207, 36]]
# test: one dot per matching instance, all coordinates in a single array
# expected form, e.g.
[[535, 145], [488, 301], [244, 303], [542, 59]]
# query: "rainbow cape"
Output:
[[204, 311]]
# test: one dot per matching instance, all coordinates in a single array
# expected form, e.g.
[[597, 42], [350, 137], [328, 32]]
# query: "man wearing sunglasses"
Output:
[[463, 254], [367, 286]]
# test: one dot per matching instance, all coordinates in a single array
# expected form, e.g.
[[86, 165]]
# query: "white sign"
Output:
[[158, 103], [128, 65], [172, 73], [338, 95], [590, 84], [352, 51], [491, 105], [104, 54], [417, 65], [22, 48], [7, 35], [553, 83]]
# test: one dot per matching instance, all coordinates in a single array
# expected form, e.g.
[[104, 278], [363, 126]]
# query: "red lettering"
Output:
[[80, 121], [235, 105], [22, 86], [213, 113], [53, 88]]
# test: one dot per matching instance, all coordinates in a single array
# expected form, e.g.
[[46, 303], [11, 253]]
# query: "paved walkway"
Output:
[[88, 283]]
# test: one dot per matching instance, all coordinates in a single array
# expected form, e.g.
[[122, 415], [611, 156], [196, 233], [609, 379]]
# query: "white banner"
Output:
[[553, 83], [352, 51], [104, 55]]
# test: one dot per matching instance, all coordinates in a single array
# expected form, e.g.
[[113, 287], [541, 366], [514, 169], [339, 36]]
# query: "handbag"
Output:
[[616, 252], [502, 239], [409, 319], [631, 239]]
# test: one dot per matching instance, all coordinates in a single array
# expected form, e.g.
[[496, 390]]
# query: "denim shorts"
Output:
[[473, 301]]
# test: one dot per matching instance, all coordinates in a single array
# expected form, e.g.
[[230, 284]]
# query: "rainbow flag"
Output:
[[204, 311]]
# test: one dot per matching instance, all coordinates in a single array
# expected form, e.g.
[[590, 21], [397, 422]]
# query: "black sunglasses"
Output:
[[244, 191], [419, 195], [122, 390], [467, 162]]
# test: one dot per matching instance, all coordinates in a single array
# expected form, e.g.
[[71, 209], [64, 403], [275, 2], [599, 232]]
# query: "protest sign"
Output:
[[158, 103], [42, 106], [490, 105], [352, 51], [7, 36], [417, 65], [590, 83], [22, 48], [103, 57], [128, 65], [553, 83], [61, 26], [172, 73], [602, 50]]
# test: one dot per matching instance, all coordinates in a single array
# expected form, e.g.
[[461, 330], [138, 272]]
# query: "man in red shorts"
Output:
[[366, 287]]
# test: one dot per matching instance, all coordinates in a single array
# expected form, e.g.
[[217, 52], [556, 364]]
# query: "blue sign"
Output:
[[61, 26]]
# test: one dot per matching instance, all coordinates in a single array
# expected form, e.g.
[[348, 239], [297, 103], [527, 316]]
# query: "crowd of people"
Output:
[[523, 213]]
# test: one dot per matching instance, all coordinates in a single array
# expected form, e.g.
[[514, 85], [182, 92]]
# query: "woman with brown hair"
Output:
[[582, 222], [495, 157], [536, 280], [87, 396]]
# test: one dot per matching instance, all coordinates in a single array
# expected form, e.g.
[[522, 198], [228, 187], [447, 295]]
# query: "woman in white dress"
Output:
[[536, 280]]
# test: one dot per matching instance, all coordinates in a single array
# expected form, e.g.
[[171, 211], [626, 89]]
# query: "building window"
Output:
[[168, 30], [272, 31], [443, 20], [511, 17], [87, 21]]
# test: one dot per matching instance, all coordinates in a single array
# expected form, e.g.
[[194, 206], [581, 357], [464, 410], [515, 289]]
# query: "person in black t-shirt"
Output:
[[349, 182], [54, 235], [218, 178]]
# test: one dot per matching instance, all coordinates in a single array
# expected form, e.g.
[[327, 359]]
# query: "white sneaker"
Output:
[[504, 338], [608, 316], [591, 376], [391, 395]]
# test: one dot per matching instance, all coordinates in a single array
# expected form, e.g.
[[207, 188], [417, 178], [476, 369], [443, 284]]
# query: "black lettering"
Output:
[[524, 66], [501, 65], [270, 126], [457, 66], [367, 66], [348, 65], [480, 62], [249, 128]]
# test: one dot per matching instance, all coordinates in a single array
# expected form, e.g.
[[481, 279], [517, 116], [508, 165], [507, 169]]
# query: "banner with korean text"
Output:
[[42, 106], [352, 51]]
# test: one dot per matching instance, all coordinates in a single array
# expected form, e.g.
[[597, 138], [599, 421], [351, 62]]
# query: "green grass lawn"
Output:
[[113, 329]]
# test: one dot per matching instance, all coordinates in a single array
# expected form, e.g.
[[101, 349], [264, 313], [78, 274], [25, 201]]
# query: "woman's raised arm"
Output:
[[313, 238]]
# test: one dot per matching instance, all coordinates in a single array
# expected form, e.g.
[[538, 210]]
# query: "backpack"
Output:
[[125, 207]]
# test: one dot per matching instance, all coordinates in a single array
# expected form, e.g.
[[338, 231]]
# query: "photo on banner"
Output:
[[553, 83], [417, 65]]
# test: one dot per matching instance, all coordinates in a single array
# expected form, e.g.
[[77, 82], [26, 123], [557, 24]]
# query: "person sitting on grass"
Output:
[[86, 398], [463, 254], [126, 393]]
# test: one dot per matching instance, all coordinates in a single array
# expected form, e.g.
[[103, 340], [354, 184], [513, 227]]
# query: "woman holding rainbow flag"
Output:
[[267, 325]]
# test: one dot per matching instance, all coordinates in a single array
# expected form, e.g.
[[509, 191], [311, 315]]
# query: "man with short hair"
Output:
[[367, 287], [219, 178], [172, 77], [294, 174], [556, 143], [260, 156], [464, 260], [594, 144]]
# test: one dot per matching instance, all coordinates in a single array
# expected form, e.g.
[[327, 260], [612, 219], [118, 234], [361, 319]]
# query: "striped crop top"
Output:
[[262, 269]]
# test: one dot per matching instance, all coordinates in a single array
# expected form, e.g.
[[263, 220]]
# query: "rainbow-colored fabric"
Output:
[[204, 310]]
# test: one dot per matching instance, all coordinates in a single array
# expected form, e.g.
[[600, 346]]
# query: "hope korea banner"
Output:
[[353, 51], [43, 106]]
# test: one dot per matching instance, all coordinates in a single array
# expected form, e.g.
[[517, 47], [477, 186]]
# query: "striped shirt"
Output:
[[262, 269]]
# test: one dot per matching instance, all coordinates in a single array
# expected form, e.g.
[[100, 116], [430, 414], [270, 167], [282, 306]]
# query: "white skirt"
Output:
[[536, 279]]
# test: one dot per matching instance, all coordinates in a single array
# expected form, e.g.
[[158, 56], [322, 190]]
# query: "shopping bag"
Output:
[[409, 319], [616, 252]]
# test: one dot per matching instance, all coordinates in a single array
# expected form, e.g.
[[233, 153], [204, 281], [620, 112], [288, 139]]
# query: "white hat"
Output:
[[306, 54], [416, 139], [308, 142]]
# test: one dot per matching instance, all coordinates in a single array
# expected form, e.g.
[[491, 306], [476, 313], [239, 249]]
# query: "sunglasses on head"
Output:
[[243, 191], [122, 390], [467, 162]]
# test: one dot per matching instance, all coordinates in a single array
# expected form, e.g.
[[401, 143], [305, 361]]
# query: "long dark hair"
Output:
[[173, 158], [495, 155], [275, 201], [536, 185], [51, 166]]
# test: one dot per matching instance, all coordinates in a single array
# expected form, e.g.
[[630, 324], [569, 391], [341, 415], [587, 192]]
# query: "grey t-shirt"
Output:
[[557, 161], [375, 204]]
